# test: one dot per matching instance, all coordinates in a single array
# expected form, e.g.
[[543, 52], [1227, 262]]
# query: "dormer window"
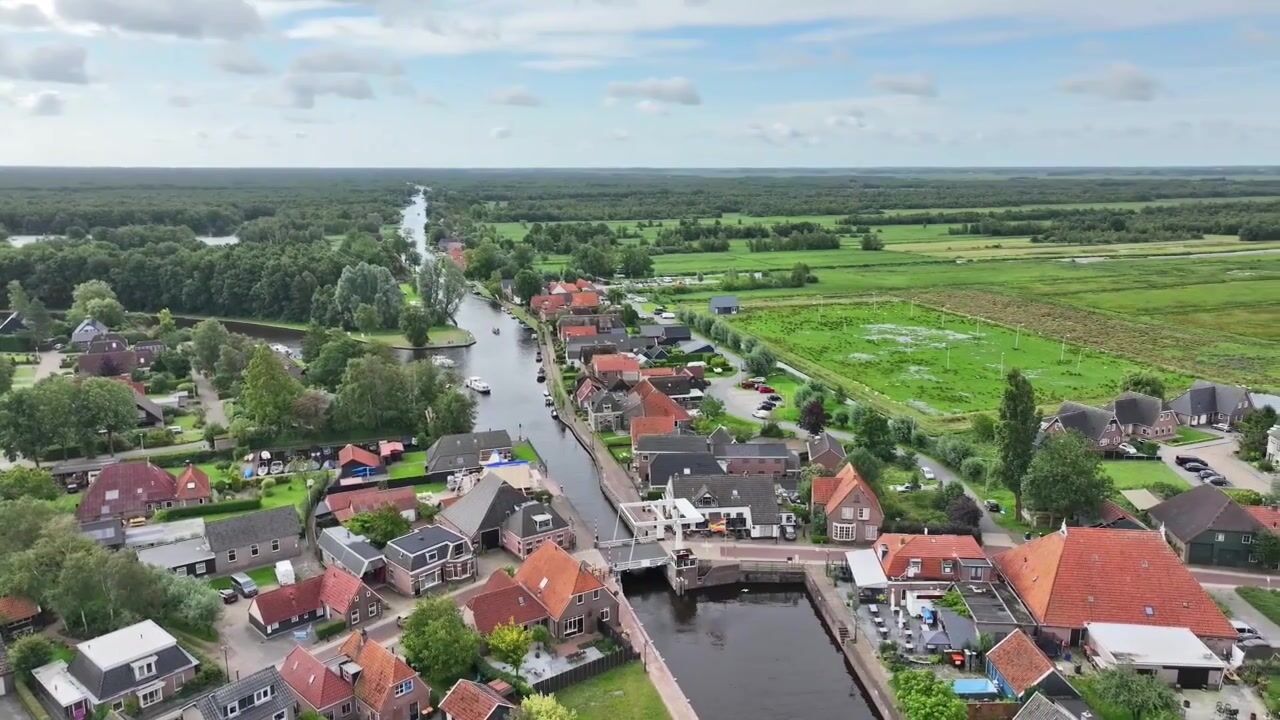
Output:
[[262, 695], [144, 668], [233, 709], [707, 501], [432, 556]]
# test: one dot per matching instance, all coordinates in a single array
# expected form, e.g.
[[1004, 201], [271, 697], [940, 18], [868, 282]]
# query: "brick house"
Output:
[[1143, 416], [1080, 575], [825, 450], [614, 368], [1100, 427], [853, 511], [365, 681], [572, 595], [426, 558], [138, 489], [774, 459], [334, 594], [532, 524], [914, 562], [1207, 403], [255, 539], [648, 447], [1206, 527], [470, 700]]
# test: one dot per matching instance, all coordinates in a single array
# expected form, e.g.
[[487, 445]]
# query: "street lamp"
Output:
[[226, 665]]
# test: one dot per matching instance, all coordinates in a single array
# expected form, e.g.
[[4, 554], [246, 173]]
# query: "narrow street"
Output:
[[214, 411]]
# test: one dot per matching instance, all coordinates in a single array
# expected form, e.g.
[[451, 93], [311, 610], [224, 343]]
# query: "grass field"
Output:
[[24, 376], [933, 362], [1133, 474], [1189, 436], [411, 465], [523, 450], [263, 577], [1265, 601], [623, 693]]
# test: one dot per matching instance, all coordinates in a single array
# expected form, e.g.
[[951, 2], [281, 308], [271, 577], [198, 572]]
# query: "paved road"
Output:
[[1220, 454], [214, 412], [50, 364]]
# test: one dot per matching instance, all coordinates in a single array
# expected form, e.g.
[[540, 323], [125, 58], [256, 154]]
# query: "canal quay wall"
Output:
[[859, 651], [655, 666]]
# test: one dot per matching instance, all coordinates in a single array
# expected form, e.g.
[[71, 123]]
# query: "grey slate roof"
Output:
[[255, 527], [721, 436], [666, 332], [485, 507], [692, 347], [1200, 509], [672, 384], [177, 554], [754, 491], [410, 551], [521, 521], [1087, 420], [1135, 408], [668, 464], [353, 551], [1205, 398], [459, 452], [108, 533], [753, 450], [1040, 707], [612, 401], [823, 442], [107, 683], [724, 301], [214, 705], [672, 443]]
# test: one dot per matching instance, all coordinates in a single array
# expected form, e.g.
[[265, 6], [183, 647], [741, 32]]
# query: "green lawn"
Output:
[[1132, 474], [190, 433], [412, 464], [1263, 600], [1189, 436], [264, 577], [623, 693], [24, 376], [68, 502], [523, 450], [439, 335]]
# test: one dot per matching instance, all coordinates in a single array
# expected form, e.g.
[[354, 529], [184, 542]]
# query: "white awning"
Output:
[[866, 569]]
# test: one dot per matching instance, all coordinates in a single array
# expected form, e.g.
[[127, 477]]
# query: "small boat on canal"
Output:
[[476, 383], [496, 330], [542, 374]]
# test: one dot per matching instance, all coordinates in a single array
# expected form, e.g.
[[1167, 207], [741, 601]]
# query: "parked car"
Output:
[[1218, 481], [765, 390], [1207, 473], [993, 506], [1221, 427], [760, 414], [1182, 460], [928, 473], [228, 596], [766, 405], [244, 585], [1127, 449], [1245, 630], [1195, 467], [906, 488], [788, 532], [775, 398]]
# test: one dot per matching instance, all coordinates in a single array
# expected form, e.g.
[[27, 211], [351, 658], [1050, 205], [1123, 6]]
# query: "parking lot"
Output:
[[1219, 455]]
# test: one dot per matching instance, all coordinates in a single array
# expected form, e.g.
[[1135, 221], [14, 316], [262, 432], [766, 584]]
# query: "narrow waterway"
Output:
[[757, 651]]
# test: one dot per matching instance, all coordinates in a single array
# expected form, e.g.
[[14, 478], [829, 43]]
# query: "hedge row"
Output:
[[208, 509], [29, 701], [324, 631]]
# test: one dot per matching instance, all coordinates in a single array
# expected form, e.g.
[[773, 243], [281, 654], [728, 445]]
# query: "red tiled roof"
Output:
[[554, 576], [125, 488], [1268, 516], [349, 504], [822, 490], [192, 484], [380, 671], [1080, 575], [548, 302], [614, 362], [850, 482], [358, 454], [1110, 512], [14, 608], [658, 425], [335, 588], [387, 447], [469, 700], [310, 680], [571, 331], [655, 404], [107, 363], [586, 299], [503, 601], [1019, 662], [903, 548]]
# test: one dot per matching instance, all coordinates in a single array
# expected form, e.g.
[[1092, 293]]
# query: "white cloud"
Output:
[[917, 84], [847, 119], [517, 95], [500, 133], [342, 60], [239, 132], [779, 133], [301, 91], [47, 103], [23, 16], [62, 63], [674, 90], [238, 60], [651, 107], [1120, 81], [563, 64], [192, 19]]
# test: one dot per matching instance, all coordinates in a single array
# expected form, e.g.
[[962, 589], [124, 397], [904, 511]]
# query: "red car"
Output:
[[765, 390]]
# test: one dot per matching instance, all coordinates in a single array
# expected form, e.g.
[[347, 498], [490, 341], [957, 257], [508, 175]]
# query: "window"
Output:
[[975, 573], [262, 695], [280, 715], [846, 513], [871, 532], [346, 708], [573, 626], [373, 610], [844, 532], [1246, 539], [432, 556], [275, 545], [117, 705], [404, 688], [604, 615], [231, 556], [595, 594], [233, 709], [144, 668], [201, 568], [864, 513], [914, 566], [1219, 537], [1253, 558], [180, 570], [581, 598], [253, 551], [150, 697], [355, 616], [947, 567]]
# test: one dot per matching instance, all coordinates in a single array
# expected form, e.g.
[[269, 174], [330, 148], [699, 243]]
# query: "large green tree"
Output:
[[874, 434], [1147, 383], [207, 340], [453, 412], [268, 392], [1140, 695], [1016, 433], [373, 396], [527, 284], [327, 367], [23, 425], [760, 362], [18, 482], [95, 299], [415, 323], [437, 643], [510, 643], [924, 696], [7, 371], [635, 262], [543, 707], [379, 526], [366, 284], [1066, 477], [103, 405], [1253, 432]]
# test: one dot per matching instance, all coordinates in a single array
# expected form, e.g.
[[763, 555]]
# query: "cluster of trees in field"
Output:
[[809, 240], [585, 196], [1251, 220]]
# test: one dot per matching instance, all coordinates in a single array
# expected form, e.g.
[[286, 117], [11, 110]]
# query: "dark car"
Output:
[[228, 596], [1217, 480], [1195, 467], [775, 398], [1182, 460], [788, 532], [993, 506], [767, 406], [1207, 473]]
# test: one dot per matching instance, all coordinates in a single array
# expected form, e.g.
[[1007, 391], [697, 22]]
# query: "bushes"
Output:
[[953, 451], [771, 430], [29, 701], [210, 509], [974, 469], [326, 630]]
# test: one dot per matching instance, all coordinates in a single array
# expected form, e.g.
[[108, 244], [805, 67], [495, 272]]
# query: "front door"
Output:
[[414, 710]]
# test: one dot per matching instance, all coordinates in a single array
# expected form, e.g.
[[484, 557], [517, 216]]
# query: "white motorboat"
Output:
[[442, 361], [476, 383]]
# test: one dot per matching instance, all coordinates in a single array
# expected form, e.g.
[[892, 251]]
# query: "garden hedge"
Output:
[[324, 631], [209, 509]]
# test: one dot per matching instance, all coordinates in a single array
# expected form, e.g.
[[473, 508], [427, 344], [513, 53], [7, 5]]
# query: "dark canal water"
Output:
[[748, 652]]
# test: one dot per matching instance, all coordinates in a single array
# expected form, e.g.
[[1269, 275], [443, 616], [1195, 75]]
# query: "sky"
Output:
[[639, 83]]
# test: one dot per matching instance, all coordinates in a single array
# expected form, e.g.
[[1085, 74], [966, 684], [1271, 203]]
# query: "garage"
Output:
[[1173, 654]]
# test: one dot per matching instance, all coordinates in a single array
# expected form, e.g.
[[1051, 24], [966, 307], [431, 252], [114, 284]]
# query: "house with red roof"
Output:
[[136, 489], [470, 700], [318, 687], [355, 461], [365, 680], [458, 257], [613, 368], [853, 511], [192, 487], [1267, 516], [931, 562], [1080, 575], [345, 505], [571, 599], [584, 303], [1019, 668], [656, 404], [548, 307], [577, 331], [656, 425], [18, 616], [335, 594]]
